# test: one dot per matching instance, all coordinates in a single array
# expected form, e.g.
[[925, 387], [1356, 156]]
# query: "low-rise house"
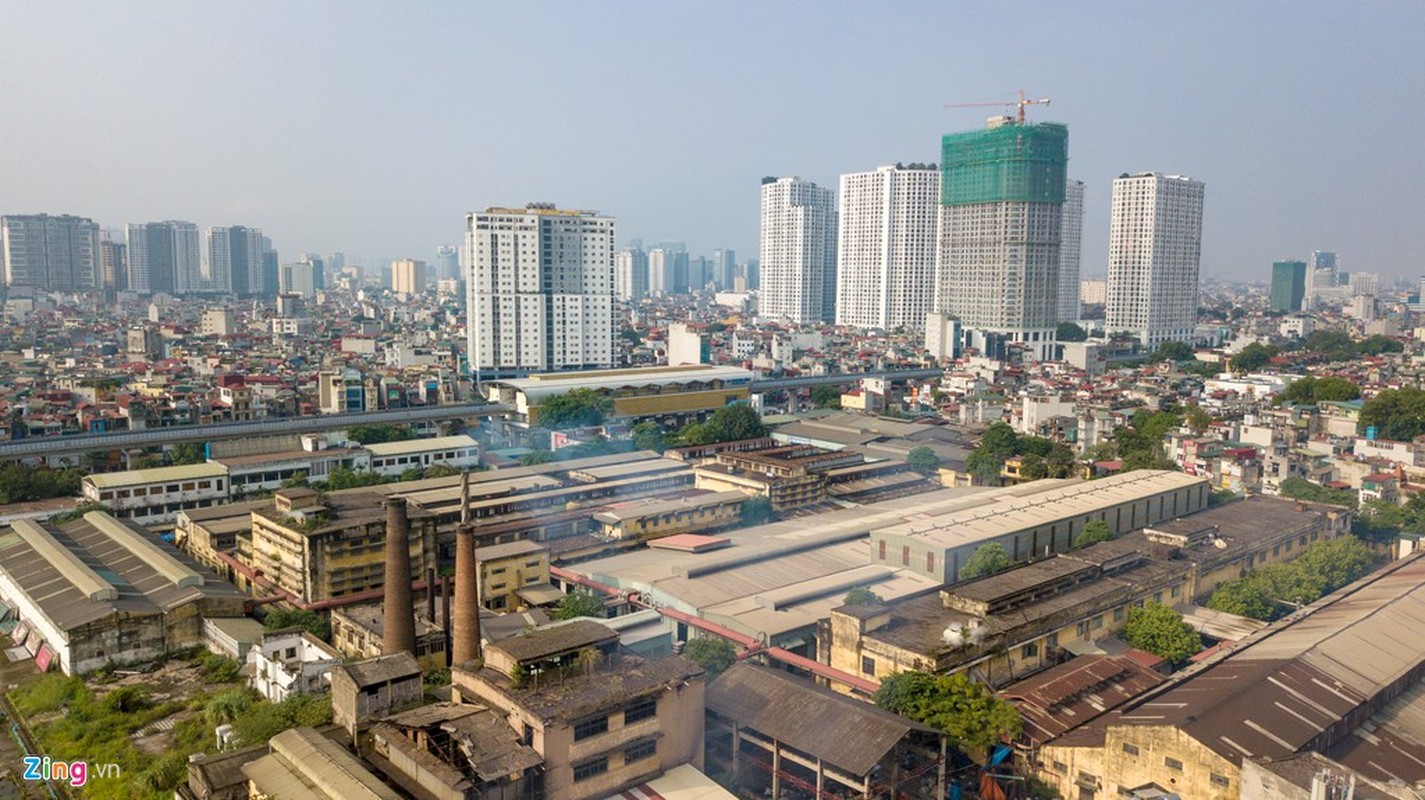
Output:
[[291, 661]]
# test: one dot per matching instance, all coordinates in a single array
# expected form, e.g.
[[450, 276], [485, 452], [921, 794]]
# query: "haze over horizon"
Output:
[[372, 129]]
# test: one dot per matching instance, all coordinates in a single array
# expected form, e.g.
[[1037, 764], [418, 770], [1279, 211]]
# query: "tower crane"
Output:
[[1018, 104]]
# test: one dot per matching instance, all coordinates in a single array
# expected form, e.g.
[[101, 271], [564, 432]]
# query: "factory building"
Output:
[[99, 592]]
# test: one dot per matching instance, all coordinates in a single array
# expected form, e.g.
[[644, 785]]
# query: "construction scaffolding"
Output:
[[1007, 163]]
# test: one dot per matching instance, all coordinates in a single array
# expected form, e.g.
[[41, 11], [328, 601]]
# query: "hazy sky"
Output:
[[372, 128]]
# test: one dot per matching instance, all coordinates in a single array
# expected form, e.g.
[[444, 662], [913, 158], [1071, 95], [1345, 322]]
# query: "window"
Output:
[[1172, 763], [643, 709], [1130, 749], [1059, 766], [905, 555], [1083, 630], [1219, 780], [591, 727], [868, 665], [640, 751], [1029, 651], [589, 769], [1176, 590], [881, 550], [1118, 614]]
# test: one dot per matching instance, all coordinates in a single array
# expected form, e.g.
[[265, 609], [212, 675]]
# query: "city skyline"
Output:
[[303, 145]]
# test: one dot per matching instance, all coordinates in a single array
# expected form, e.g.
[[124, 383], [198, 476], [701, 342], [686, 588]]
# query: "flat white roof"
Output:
[[538, 387], [143, 477], [410, 446]]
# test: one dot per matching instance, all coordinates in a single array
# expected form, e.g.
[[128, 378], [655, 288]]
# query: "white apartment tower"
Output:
[[235, 260], [631, 275], [798, 251], [885, 250], [1071, 234], [540, 290], [50, 253], [1154, 250], [164, 258]]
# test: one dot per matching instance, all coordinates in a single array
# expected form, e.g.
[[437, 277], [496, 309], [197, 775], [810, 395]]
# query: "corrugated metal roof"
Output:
[[421, 445], [143, 477], [303, 763], [846, 733]]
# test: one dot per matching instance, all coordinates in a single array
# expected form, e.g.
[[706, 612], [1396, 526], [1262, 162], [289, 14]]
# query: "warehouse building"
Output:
[[150, 496], [677, 394], [99, 592]]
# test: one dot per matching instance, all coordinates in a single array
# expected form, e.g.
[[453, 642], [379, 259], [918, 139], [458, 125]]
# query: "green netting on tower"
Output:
[[1011, 163]]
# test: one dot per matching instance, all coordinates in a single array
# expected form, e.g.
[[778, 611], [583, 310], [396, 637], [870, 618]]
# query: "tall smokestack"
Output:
[[399, 613], [430, 594], [465, 638], [447, 587]]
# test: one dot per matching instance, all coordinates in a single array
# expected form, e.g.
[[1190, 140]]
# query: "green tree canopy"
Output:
[[310, 621], [579, 603], [737, 421], [536, 457], [1313, 390], [1376, 344], [647, 435], [1140, 442], [377, 434], [19, 483], [1173, 351], [1095, 531], [1303, 489], [1336, 345], [923, 460], [824, 396], [1069, 332], [577, 408], [1254, 356], [344, 478], [1397, 414], [1157, 629], [986, 560], [712, 653], [756, 510], [968, 712], [861, 596], [189, 453]]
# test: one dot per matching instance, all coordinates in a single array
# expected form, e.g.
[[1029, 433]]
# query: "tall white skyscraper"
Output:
[[540, 290], [164, 257], [447, 262], [798, 251], [1154, 250], [235, 260], [1071, 234], [51, 253], [1002, 192], [662, 272], [631, 275], [886, 246]]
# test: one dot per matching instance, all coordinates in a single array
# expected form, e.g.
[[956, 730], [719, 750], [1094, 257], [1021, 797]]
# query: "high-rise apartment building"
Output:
[[540, 290], [51, 253], [113, 264], [1071, 234], [271, 269], [631, 275], [886, 247], [798, 251], [1002, 197], [164, 258], [408, 276], [662, 272], [1288, 285], [447, 262], [235, 260], [301, 278], [724, 268], [1154, 250]]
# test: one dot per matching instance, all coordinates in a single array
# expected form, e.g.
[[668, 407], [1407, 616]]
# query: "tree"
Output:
[[1303, 489], [265, 720], [1197, 419], [968, 712], [1336, 345], [756, 510], [986, 560], [1000, 440], [1069, 332], [1319, 390], [536, 457], [1396, 414], [377, 434], [439, 471], [1173, 351], [1254, 356], [310, 621], [1095, 531], [923, 460], [737, 421], [577, 408], [694, 434], [189, 453], [1337, 561], [1140, 442], [19, 483], [712, 653], [1160, 630], [1245, 597], [344, 478], [1376, 344], [861, 596], [824, 396], [579, 603], [647, 435]]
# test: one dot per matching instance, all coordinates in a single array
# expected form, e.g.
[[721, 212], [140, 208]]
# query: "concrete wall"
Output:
[[1202, 774]]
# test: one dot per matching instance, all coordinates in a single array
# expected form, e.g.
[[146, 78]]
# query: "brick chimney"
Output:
[[398, 610]]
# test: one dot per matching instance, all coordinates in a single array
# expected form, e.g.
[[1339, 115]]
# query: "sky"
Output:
[[373, 128]]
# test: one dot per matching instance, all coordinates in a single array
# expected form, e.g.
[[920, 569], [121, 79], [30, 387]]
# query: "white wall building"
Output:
[[1071, 234], [1154, 249], [164, 257], [392, 458], [235, 260], [885, 251], [54, 253], [155, 495], [291, 661], [631, 275], [798, 251], [540, 291]]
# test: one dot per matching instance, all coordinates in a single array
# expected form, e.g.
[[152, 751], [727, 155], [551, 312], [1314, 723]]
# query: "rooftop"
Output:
[[618, 679], [557, 639], [143, 477], [410, 446], [381, 669]]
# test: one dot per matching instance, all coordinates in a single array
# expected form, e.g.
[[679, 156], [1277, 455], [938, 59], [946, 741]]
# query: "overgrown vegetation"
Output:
[[579, 603], [824, 396], [1314, 390], [861, 596], [968, 712], [757, 510], [712, 653], [310, 621], [1396, 414], [987, 559], [378, 434], [1276, 590], [20, 484], [1039, 457], [1158, 629], [1140, 442], [728, 424], [578, 408], [1303, 489], [923, 460], [1095, 531]]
